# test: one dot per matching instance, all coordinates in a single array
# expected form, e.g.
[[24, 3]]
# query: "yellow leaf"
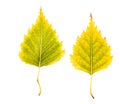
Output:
[[91, 53], [41, 46]]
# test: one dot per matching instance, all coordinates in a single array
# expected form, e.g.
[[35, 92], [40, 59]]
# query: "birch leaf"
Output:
[[91, 53], [41, 47]]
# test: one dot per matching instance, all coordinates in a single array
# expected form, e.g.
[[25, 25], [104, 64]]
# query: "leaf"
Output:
[[41, 46], [91, 52]]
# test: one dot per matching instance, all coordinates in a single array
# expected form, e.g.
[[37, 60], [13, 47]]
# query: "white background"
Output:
[[61, 83]]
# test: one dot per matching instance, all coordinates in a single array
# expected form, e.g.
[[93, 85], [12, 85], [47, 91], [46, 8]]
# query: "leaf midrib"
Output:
[[40, 45], [91, 53]]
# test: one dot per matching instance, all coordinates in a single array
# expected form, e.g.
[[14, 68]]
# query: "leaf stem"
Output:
[[39, 82], [91, 87]]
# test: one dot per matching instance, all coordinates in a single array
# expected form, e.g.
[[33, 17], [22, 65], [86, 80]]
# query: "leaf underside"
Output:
[[41, 46], [91, 52]]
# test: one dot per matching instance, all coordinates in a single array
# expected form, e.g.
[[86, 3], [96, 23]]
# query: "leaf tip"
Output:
[[91, 16], [41, 12]]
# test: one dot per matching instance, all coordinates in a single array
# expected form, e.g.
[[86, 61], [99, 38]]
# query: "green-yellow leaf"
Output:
[[91, 53], [41, 46]]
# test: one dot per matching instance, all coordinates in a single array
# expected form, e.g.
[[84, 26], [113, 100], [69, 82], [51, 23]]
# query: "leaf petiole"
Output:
[[39, 82], [91, 87]]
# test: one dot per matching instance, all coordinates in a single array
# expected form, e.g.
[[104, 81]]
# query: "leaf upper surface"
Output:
[[41, 46], [91, 52]]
